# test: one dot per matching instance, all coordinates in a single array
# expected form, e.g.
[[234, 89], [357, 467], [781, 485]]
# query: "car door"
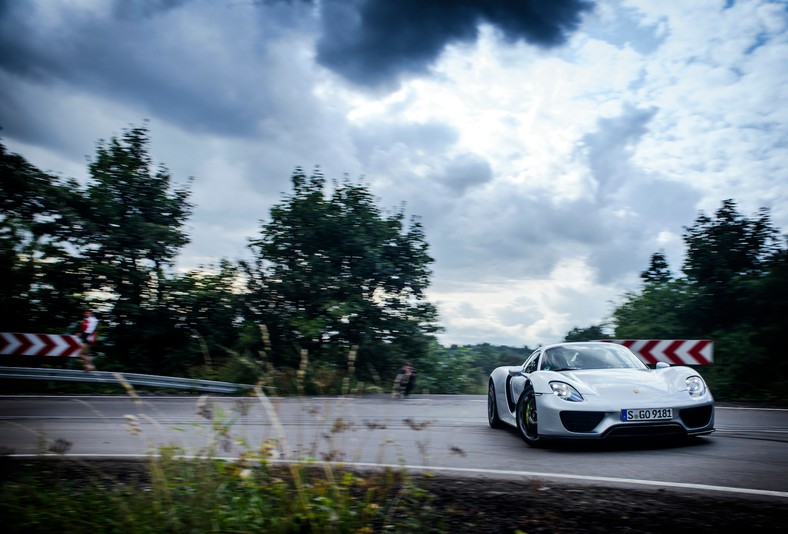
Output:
[[517, 381]]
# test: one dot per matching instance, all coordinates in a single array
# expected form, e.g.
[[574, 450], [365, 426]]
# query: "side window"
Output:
[[530, 364]]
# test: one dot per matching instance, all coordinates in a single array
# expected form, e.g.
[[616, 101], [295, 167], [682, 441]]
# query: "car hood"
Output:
[[635, 383]]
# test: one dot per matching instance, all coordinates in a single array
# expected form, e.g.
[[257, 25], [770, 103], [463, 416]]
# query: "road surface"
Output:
[[440, 433]]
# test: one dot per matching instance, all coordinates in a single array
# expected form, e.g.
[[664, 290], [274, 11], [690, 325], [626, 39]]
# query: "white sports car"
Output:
[[597, 390]]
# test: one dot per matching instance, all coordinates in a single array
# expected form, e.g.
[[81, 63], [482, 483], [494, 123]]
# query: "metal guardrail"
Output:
[[109, 377]]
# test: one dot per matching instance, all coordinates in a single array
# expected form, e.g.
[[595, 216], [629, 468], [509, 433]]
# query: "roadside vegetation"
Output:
[[329, 273], [182, 491], [170, 494]]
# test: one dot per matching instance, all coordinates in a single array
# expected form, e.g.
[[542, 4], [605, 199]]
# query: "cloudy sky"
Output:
[[549, 148]]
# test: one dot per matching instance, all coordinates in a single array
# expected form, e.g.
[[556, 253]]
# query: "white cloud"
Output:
[[545, 177], [527, 312]]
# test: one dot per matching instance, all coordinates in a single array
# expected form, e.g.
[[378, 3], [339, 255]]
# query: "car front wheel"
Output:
[[492, 408], [527, 417]]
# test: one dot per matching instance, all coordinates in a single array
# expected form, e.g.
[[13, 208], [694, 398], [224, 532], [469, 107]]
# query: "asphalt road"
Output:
[[438, 433]]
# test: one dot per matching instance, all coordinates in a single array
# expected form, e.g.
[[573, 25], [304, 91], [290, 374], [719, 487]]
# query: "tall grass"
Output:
[[173, 494], [176, 492]]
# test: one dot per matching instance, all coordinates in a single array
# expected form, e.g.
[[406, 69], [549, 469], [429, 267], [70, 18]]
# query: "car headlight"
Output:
[[564, 391], [696, 386]]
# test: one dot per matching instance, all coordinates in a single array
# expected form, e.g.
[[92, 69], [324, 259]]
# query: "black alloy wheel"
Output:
[[526, 416], [492, 408]]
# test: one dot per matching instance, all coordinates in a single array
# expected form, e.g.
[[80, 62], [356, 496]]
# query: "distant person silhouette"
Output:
[[405, 380], [87, 334]]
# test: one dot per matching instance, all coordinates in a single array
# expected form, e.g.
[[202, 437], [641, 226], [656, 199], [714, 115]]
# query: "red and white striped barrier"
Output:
[[672, 351], [16, 344]]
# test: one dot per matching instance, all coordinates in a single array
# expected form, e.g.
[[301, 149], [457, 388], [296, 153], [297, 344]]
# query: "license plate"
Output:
[[647, 414]]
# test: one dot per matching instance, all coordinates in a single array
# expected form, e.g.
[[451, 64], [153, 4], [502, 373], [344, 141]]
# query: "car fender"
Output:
[[541, 381]]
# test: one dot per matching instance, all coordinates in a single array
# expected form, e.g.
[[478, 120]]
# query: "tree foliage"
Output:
[[728, 245], [40, 281], [133, 225], [464, 369], [64, 247], [332, 271], [658, 271], [734, 291], [591, 333], [333, 275], [132, 230]]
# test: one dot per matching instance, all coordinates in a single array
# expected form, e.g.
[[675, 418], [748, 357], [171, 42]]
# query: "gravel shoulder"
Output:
[[530, 506]]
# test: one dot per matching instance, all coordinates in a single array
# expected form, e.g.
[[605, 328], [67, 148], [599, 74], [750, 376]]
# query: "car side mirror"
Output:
[[662, 365], [515, 371]]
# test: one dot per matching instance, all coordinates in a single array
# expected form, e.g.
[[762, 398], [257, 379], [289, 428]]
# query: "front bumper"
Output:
[[592, 419]]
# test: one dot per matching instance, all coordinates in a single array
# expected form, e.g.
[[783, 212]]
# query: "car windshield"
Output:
[[590, 356]]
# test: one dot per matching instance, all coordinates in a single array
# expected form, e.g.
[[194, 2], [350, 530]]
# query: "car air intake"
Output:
[[696, 417], [581, 421]]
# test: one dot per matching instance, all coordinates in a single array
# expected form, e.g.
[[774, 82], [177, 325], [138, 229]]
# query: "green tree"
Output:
[[207, 311], [723, 252], [661, 311], [332, 271], [192, 331], [450, 371], [41, 281], [658, 271], [134, 221], [132, 231], [734, 292], [488, 357], [726, 255], [728, 244], [590, 333], [734, 266]]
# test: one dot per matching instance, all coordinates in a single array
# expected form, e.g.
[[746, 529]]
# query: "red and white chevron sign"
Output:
[[16, 344], [672, 351]]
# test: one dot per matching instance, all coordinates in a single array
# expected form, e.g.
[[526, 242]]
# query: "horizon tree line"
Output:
[[333, 279]]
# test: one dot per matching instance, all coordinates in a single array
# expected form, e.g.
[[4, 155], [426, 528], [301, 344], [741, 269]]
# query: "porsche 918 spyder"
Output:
[[596, 390]]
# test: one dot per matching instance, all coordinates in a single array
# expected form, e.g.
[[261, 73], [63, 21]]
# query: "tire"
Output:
[[492, 408], [526, 415]]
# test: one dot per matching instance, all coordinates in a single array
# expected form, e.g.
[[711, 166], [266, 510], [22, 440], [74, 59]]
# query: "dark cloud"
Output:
[[159, 59], [372, 42]]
